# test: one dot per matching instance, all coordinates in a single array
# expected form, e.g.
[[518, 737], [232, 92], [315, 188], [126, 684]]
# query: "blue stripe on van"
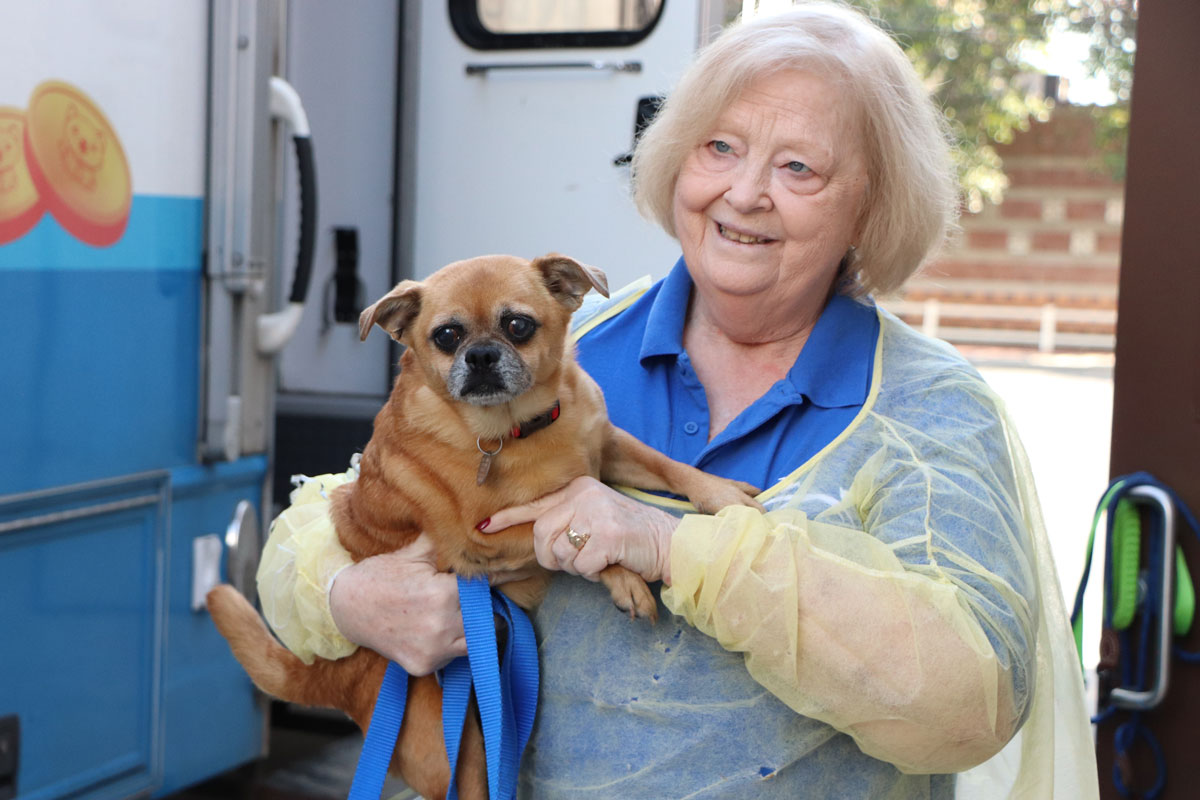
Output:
[[99, 374], [163, 233], [100, 349]]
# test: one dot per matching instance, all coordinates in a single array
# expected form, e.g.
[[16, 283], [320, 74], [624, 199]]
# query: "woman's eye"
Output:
[[720, 146], [519, 329], [447, 337], [799, 167]]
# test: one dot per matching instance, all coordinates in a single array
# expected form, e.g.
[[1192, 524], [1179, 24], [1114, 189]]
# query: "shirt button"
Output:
[[690, 427]]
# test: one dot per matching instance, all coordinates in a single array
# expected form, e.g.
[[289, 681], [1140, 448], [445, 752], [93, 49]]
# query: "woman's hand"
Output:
[[400, 606], [619, 530]]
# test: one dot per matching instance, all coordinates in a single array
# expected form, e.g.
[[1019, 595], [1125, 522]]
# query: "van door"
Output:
[[522, 113], [444, 130]]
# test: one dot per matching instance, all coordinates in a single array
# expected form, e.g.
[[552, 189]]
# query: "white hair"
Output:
[[912, 196]]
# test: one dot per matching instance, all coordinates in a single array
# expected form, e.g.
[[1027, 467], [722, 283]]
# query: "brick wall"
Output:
[[1054, 241]]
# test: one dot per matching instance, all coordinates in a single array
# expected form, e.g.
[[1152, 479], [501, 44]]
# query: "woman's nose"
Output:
[[749, 187]]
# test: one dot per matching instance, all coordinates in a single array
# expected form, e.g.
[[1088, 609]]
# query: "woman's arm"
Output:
[[835, 626], [915, 638], [322, 604], [903, 607]]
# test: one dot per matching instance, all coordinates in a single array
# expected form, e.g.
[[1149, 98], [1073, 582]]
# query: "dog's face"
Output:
[[488, 329]]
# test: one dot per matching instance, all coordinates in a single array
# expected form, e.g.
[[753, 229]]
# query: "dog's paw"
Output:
[[630, 593], [719, 493], [748, 489]]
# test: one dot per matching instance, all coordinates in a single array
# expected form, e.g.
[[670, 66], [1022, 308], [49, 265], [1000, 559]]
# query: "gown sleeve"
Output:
[[905, 613]]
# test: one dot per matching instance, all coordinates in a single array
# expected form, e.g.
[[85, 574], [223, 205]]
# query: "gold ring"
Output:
[[577, 539]]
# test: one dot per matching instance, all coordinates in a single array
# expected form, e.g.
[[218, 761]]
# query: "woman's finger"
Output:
[[421, 548], [457, 648], [529, 512], [564, 554], [589, 564], [547, 531]]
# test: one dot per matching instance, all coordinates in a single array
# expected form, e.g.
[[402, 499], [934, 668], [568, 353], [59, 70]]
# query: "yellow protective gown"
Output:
[[923, 513], [904, 564], [301, 558]]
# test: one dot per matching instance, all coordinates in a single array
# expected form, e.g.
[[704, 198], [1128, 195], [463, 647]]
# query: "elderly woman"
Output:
[[893, 618]]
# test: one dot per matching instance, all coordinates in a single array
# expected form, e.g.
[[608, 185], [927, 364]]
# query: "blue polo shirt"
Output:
[[652, 391]]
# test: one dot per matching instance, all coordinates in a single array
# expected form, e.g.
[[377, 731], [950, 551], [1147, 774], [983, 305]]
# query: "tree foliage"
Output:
[[1111, 25], [969, 52]]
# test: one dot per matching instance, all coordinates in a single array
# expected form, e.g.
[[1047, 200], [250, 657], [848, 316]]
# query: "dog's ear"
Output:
[[568, 280], [393, 312]]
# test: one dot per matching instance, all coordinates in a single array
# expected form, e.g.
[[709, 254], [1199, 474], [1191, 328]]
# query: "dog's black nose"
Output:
[[482, 356]]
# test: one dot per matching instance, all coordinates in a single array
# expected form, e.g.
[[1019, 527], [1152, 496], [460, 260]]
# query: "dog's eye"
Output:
[[447, 338], [519, 329]]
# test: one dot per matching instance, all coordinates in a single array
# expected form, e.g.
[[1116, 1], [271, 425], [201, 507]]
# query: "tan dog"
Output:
[[488, 368]]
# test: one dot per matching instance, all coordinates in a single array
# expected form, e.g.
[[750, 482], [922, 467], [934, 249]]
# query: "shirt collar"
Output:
[[664, 323], [832, 370]]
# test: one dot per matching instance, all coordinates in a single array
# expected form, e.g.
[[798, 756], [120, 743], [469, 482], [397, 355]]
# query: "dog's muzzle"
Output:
[[488, 374]]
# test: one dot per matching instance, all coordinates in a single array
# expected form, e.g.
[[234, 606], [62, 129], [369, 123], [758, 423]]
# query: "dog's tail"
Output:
[[352, 684], [272, 667]]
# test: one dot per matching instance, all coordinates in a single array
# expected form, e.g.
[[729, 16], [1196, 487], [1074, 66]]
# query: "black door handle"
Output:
[[647, 110]]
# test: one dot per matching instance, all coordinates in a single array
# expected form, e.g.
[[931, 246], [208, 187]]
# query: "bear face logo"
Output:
[[10, 156], [82, 147]]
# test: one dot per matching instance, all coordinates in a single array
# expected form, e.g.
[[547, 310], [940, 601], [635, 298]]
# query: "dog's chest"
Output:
[[520, 472]]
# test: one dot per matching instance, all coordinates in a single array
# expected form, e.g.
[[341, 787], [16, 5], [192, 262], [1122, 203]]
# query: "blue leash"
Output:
[[1134, 667], [505, 691]]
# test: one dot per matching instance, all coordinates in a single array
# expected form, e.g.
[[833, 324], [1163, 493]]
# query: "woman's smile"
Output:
[[741, 237]]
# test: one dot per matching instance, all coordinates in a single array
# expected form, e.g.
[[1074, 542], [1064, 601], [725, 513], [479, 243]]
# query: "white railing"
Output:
[[1047, 316]]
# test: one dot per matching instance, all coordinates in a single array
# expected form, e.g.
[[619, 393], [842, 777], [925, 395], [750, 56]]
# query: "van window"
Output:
[[508, 24]]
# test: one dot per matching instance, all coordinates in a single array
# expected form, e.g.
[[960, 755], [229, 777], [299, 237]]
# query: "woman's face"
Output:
[[768, 203]]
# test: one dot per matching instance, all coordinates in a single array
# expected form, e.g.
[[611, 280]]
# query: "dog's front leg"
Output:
[[629, 462]]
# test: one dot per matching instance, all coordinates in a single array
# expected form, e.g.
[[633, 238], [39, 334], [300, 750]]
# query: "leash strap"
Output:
[[507, 697], [505, 691], [456, 694], [381, 735], [1136, 659]]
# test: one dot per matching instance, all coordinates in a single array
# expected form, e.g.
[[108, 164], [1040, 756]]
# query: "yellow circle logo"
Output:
[[77, 163], [20, 205]]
